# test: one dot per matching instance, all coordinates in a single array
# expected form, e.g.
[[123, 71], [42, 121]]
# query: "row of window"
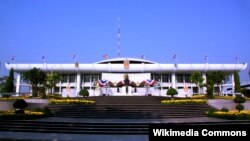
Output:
[[84, 77], [165, 78]]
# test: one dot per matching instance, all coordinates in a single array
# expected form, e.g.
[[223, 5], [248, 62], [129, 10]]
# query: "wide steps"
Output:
[[129, 107], [73, 128]]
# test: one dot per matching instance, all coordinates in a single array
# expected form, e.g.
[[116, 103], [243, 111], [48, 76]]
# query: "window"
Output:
[[166, 78], [157, 77], [187, 78], [86, 77], [95, 77], [179, 78], [64, 78], [72, 78], [195, 90]]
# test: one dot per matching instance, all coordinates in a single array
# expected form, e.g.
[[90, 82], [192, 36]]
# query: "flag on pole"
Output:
[[43, 58], [143, 56], [174, 57], [206, 58]]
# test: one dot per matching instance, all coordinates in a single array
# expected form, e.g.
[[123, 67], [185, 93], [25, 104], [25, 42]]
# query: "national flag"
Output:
[[150, 82], [43, 58], [142, 57], [206, 58], [103, 82], [174, 57]]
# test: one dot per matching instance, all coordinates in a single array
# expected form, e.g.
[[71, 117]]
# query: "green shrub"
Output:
[[84, 92], [6, 96], [172, 92], [246, 92], [224, 110], [19, 105], [239, 99], [54, 96], [211, 111], [239, 107], [47, 112]]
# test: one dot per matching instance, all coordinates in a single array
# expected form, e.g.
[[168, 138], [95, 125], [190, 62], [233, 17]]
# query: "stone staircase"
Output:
[[104, 116], [129, 107]]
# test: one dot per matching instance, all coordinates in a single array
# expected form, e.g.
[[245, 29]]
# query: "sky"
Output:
[[157, 29]]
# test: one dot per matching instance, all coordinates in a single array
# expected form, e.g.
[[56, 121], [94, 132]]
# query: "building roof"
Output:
[[121, 60], [135, 65]]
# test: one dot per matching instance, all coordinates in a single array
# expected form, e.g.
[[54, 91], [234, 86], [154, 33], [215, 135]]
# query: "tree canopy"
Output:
[[9, 85], [237, 82], [36, 77], [196, 78], [52, 79]]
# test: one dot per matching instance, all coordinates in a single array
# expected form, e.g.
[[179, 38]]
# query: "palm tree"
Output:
[[35, 77], [196, 78], [51, 80]]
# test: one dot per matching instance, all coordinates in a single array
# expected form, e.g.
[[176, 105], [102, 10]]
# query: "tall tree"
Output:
[[217, 78], [196, 78], [51, 80], [237, 82], [9, 85], [3, 83], [35, 77]]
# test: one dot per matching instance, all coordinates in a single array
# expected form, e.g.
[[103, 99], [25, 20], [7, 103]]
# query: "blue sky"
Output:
[[158, 29]]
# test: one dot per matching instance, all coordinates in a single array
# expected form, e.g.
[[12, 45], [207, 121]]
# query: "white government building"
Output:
[[78, 76]]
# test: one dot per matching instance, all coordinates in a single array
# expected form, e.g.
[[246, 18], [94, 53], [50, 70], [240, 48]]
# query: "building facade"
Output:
[[107, 76]]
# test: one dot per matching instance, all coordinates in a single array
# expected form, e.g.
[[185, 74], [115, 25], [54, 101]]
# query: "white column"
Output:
[[204, 82], [173, 79], [78, 83], [18, 79], [60, 87], [233, 84]]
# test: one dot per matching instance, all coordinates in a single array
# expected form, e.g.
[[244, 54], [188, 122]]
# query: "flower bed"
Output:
[[71, 101], [184, 101], [199, 96], [235, 115], [28, 115]]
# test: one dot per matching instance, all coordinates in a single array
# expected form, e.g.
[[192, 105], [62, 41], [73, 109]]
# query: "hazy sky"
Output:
[[157, 29]]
